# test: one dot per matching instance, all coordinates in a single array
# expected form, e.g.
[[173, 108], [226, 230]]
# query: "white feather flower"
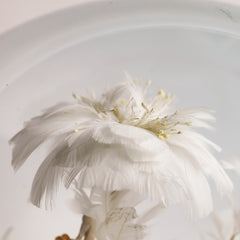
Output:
[[125, 141]]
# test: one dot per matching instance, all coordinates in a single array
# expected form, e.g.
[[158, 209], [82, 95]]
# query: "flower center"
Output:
[[140, 116], [163, 127]]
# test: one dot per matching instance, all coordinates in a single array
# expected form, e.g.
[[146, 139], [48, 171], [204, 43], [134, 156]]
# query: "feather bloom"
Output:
[[125, 141]]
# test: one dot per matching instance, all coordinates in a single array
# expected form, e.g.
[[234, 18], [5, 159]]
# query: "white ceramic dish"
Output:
[[191, 48]]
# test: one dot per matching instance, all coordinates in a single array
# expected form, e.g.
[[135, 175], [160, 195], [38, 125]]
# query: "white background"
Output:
[[15, 12]]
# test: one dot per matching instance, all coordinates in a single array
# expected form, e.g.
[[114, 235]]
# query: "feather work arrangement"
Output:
[[121, 143]]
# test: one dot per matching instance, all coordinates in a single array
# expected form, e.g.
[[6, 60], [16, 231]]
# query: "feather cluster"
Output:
[[114, 213], [124, 140]]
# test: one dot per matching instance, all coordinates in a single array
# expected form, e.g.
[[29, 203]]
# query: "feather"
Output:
[[150, 214], [129, 91], [204, 160], [55, 122], [47, 179]]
